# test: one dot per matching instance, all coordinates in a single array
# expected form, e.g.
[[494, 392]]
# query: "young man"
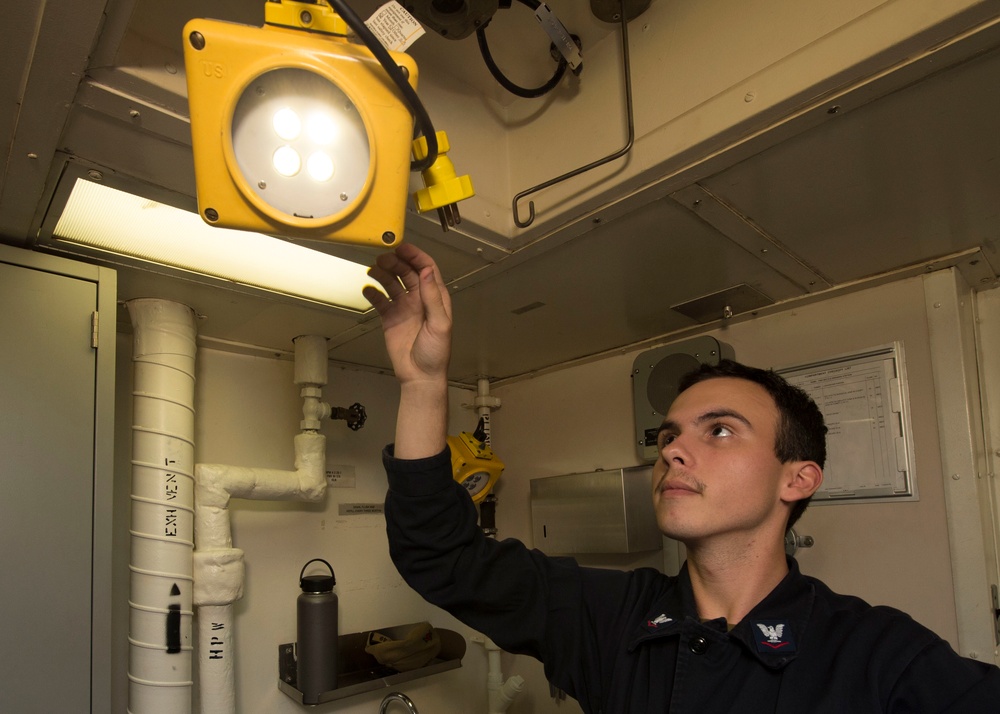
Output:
[[739, 629]]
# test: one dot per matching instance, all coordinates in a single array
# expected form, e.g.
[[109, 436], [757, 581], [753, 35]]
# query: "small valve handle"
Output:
[[355, 415]]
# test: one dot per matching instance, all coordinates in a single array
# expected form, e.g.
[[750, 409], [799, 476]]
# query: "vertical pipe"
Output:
[[218, 566], [500, 694], [162, 526], [484, 408]]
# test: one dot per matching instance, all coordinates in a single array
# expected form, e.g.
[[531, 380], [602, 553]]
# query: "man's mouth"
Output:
[[679, 487]]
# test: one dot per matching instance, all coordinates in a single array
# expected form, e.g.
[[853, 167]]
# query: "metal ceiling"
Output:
[[906, 179]]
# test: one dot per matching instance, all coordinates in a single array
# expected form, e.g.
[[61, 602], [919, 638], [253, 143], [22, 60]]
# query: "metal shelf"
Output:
[[358, 672]]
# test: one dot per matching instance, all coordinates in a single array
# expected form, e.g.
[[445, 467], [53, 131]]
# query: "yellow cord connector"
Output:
[[443, 188]]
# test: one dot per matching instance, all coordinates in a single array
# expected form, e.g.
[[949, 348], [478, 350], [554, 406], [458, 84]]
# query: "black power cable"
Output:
[[424, 124], [500, 77]]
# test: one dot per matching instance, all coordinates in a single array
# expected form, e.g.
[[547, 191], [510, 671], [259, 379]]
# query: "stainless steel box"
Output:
[[595, 512]]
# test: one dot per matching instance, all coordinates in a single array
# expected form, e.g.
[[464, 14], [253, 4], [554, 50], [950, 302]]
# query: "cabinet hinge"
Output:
[[93, 329]]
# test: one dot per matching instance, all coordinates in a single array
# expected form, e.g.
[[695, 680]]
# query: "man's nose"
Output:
[[676, 452]]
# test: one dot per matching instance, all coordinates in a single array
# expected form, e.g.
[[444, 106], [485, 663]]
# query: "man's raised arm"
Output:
[[416, 319]]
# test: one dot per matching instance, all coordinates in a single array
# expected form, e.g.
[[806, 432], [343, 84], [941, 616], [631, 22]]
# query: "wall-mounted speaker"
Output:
[[655, 375]]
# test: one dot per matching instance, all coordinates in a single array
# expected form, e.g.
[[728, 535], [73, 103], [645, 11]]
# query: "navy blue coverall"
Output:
[[632, 642]]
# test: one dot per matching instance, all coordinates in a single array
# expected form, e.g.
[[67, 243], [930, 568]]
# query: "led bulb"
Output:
[[287, 161], [321, 128], [320, 166], [287, 124]]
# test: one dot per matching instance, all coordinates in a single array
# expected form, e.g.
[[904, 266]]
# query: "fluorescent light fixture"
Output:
[[118, 222]]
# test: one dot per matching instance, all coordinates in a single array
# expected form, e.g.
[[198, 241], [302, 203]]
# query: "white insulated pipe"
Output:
[[218, 566], [485, 404], [500, 694], [162, 521]]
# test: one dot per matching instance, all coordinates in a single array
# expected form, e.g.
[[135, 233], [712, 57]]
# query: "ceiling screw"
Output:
[[262, 185], [95, 175], [134, 113]]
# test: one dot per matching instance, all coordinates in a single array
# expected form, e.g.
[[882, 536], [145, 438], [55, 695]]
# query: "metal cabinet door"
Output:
[[47, 427]]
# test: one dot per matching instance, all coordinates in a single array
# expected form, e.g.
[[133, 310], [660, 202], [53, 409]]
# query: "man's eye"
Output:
[[721, 430], [666, 439]]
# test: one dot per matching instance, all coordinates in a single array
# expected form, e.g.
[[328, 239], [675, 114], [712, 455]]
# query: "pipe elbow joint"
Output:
[[310, 465], [209, 486]]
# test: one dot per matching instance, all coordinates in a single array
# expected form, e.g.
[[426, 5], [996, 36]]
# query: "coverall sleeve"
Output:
[[525, 601]]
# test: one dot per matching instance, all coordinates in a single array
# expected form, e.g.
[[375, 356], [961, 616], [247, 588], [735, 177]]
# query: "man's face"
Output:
[[717, 473]]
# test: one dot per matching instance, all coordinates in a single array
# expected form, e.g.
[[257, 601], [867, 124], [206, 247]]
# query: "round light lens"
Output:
[[300, 145], [287, 124], [287, 161]]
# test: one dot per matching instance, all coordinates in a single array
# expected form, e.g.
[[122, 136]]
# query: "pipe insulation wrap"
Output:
[[219, 575], [217, 684], [217, 483], [162, 529], [310, 360]]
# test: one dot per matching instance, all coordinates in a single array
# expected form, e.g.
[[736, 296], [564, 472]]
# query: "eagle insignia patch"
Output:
[[773, 636]]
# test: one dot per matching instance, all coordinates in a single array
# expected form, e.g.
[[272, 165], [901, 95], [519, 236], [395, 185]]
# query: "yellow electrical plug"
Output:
[[443, 188]]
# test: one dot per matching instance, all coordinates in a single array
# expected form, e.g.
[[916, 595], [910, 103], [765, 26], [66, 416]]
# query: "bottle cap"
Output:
[[317, 583]]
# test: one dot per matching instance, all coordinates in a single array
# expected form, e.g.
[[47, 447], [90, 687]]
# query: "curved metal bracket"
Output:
[[594, 164]]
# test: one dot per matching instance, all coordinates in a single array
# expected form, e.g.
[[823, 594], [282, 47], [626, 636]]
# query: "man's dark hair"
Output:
[[801, 430]]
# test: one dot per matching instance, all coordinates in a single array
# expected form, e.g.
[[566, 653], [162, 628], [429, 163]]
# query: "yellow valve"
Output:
[[474, 465], [443, 189]]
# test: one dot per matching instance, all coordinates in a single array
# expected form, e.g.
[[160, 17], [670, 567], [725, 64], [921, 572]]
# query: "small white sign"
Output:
[[394, 27], [360, 509], [340, 476]]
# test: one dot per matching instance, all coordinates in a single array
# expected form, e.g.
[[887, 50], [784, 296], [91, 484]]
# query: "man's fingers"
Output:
[[388, 279], [434, 296], [376, 297], [395, 264], [404, 270]]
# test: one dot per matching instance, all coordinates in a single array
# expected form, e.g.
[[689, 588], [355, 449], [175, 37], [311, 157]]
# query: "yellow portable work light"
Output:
[[296, 131]]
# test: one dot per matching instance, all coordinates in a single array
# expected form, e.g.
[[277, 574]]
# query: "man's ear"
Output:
[[802, 480]]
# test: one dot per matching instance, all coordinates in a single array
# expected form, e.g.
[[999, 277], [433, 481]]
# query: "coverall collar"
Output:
[[772, 631]]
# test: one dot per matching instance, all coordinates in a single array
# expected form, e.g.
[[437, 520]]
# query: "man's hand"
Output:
[[416, 316], [416, 320]]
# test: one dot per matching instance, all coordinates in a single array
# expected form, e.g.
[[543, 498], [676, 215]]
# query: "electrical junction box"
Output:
[[595, 512]]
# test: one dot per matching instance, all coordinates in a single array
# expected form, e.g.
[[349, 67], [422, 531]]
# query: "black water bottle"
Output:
[[316, 650]]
